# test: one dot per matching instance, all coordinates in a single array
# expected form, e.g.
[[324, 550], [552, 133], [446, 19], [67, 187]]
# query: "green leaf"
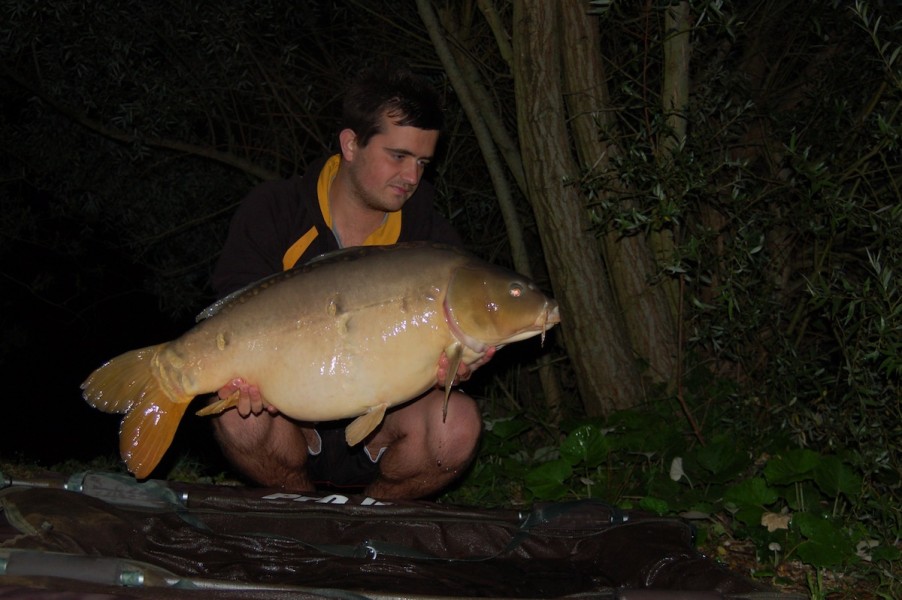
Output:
[[655, 505], [793, 466], [819, 554], [721, 459], [887, 553], [826, 544], [587, 445], [751, 492], [509, 428], [835, 477], [501, 436], [546, 481], [750, 515]]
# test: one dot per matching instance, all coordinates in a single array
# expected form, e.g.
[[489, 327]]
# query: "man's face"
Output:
[[387, 171]]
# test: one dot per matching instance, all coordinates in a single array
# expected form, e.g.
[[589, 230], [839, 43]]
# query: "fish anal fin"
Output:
[[364, 425], [221, 405], [146, 433]]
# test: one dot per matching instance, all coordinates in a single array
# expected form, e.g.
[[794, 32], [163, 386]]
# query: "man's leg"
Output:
[[271, 450], [424, 453]]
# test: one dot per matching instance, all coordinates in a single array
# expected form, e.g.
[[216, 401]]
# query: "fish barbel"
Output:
[[347, 335]]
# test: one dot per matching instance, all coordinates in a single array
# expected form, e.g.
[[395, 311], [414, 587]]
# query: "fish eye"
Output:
[[516, 290]]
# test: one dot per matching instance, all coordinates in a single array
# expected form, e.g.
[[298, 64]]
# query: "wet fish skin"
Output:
[[346, 336]]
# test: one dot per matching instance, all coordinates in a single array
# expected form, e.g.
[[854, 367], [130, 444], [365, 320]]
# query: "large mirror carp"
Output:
[[348, 335]]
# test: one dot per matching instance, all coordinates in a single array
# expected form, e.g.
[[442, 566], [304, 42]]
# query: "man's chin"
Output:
[[394, 202]]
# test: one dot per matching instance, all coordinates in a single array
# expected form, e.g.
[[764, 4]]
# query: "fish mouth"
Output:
[[552, 313], [548, 318]]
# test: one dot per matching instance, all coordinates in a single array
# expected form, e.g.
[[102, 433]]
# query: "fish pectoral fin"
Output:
[[221, 405], [364, 425], [455, 354]]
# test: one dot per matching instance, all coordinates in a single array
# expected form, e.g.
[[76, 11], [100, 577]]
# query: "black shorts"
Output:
[[337, 465]]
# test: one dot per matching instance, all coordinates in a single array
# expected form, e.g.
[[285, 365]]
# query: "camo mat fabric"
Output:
[[101, 535]]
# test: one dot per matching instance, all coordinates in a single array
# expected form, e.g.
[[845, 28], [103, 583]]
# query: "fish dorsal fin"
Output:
[[326, 258], [364, 425], [341, 254], [226, 300]]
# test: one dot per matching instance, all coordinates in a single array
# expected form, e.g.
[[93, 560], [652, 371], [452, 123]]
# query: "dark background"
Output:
[[51, 347]]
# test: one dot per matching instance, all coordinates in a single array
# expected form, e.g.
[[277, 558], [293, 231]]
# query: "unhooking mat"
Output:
[[99, 536]]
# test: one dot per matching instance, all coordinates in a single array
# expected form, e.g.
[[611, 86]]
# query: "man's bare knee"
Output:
[[268, 449], [426, 452], [453, 439]]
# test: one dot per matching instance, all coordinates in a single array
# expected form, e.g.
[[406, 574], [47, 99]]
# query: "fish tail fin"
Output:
[[363, 425], [130, 384], [146, 433]]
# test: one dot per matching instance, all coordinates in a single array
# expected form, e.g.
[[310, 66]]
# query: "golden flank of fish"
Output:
[[348, 335]]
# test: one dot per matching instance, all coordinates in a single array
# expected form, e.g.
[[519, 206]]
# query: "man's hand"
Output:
[[250, 400], [464, 371]]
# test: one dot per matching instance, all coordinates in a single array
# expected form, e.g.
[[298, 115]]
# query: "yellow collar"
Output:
[[387, 233]]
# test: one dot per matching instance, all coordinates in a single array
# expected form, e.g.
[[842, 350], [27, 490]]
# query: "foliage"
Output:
[[785, 209], [794, 504]]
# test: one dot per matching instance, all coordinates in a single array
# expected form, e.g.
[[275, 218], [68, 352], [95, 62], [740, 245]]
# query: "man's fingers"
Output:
[[245, 406], [229, 388], [256, 399], [250, 400], [464, 371]]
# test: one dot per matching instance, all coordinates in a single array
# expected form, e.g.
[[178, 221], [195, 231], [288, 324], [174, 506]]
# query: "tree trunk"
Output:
[[645, 307], [481, 114], [597, 343], [675, 105]]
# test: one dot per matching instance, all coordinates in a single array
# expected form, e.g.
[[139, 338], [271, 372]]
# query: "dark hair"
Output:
[[406, 98]]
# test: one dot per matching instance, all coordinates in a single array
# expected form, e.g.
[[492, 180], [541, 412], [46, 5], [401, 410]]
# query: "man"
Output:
[[370, 193]]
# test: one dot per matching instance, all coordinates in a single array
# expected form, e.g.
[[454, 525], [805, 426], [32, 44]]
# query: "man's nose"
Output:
[[411, 172]]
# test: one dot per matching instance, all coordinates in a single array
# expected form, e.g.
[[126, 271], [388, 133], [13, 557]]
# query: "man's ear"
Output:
[[348, 141]]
